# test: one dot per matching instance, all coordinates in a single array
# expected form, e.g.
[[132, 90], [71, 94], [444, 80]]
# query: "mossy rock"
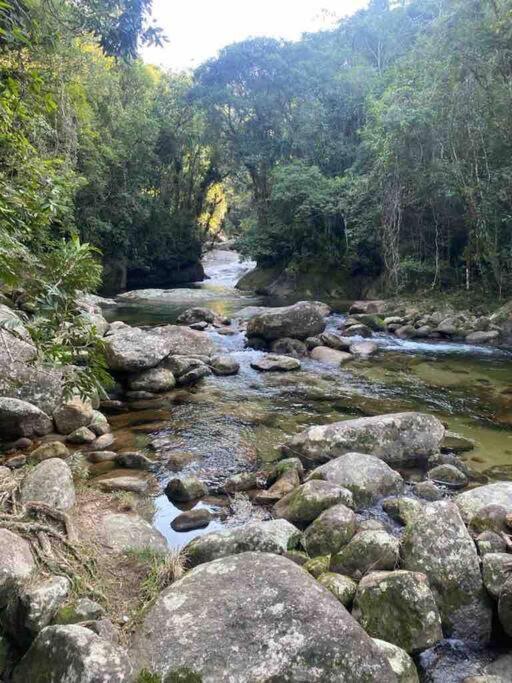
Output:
[[317, 565]]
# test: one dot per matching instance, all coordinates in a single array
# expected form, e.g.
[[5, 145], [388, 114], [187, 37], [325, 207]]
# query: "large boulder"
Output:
[[275, 536], [470, 503], [438, 544], [368, 550], [72, 653], [183, 340], [50, 482], [367, 477], [122, 531], [400, 439], [19, 418], [72, 415], [505, 607], [154, 380], [16, 563], [303, 319], [306, 502], [131, 349], [398, 607], [330, 531], [255, 618]]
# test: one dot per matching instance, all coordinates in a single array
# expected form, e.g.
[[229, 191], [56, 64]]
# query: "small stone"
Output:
[[16, 563], [185, 490], [73, 415], [428, 491], [101, 456], [490, 542], [289, 347], [50, 482], [305, 503], [403, 510], [342, 587], [368, 550], [358, 330], [287, 464], [317, 565], [245, 481], [193, 519], [364, 349], [55, 449], [324, 354], [330, 531], [275, 363], [134, 461], [402, 664], [16, 461], [154, 380], [133, 481], [128, 531], [102, 442], [448, 475], [22, 444], [224, 364], [81, 435], [496, 570], [505, 607], [287, 483], [334, 341], [489, 518], [99, 424], [35, 607]]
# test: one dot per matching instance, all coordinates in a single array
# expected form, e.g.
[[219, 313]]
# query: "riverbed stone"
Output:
[[82, 435], [438, 544], [329, 356], [271, 362], [134, 481], [125, 531], [284, 485], [131, 349], [72, 415], [273, 536], [496, 570], [154, 380], [505, 607], [244, 481], [16, 563], [399, 439], [185, 489], [490, 542], [289, 347], [316, 566], [19, 418], [342, 587], [471, 502], [335, 341], [367, 477], [54, 449], [357, 330], [305, 503], [331, 530], [364, 349], [303, 319], [402, 664], [255, 617], [224, 364], [428, 491], [134, 460], [99, 423], [102, 442], [482, 337], [196, 314], [448, 475], [368, 550], [50, 482], [73, 653], [402, 509], [398, 607], [377, 306], [192, 519]]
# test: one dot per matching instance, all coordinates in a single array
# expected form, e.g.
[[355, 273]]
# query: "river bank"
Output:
[[212, 445]]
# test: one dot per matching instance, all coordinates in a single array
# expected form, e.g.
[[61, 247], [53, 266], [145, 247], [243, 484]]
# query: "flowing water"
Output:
[[228, 424]]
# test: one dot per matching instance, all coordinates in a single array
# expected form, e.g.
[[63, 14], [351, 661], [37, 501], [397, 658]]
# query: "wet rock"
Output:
[[99, 424], [274, 363], [19, 418], [335, 341], [368, 478], [448, 475], [16, 563], [72, 415], [134, 461], [224, 364], [482, 337], [471, 502], [371, 320], [324, 354], [405, 332], [342, 587], [399, 439], [35, 606], [154, 380], [55, 449], [403, 666], [50, 482], [312, 342], [81, 435], [490, 518], [244, 481], [496, 570], [197, 314], [133, 481], [377, 306], [274, 536], [285, 465], [309, 500], [428, 490], [16, 461], [122, 531], [456, 443], [289, 347], [69, 653], [193, 519], [358, 330], [101, 456], [438, 544], [201, 326], [185, 489], [505, 607], [330, 531], [402, 509], [368, 550], [364, 349], [317, 566], [303, 319], [265, 619], [102, 442], [490, 542], [286, 483], [398, 607]]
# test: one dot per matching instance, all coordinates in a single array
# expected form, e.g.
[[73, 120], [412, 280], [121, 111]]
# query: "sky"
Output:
[[198, 29]]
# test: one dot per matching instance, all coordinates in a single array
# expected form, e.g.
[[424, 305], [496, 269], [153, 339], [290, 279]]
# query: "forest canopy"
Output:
[[381, 147]]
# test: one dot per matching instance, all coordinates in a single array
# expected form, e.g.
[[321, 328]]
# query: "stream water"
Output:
[[228, 424]]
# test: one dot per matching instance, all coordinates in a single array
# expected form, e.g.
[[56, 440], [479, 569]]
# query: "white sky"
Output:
[[197, 29]]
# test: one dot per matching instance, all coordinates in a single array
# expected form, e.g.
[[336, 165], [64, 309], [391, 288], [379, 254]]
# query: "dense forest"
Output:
[[381, 148]]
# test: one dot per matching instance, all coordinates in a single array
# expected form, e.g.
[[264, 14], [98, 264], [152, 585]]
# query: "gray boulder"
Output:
[[224, 364], [155, 380], [274, 363], [274, 536], [303, 319], [289, 347], [367, 477], [196, 314], [72, 653], [398, 607], [471, 502], [306, 502], [72, 415], [402, 664], [438, 544], [367, 551], [330, 531], [16, 563], [496, 570], [130, 349], [505, 607], [19, 418], [342, 587], [121, 532], [185, 489], [54, 449], [50, 482], [400, 439], [324, 354], [255, 618]]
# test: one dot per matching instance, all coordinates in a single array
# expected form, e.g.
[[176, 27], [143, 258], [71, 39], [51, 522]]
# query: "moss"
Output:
[[318, 565], [183, 675], [146, 676]]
